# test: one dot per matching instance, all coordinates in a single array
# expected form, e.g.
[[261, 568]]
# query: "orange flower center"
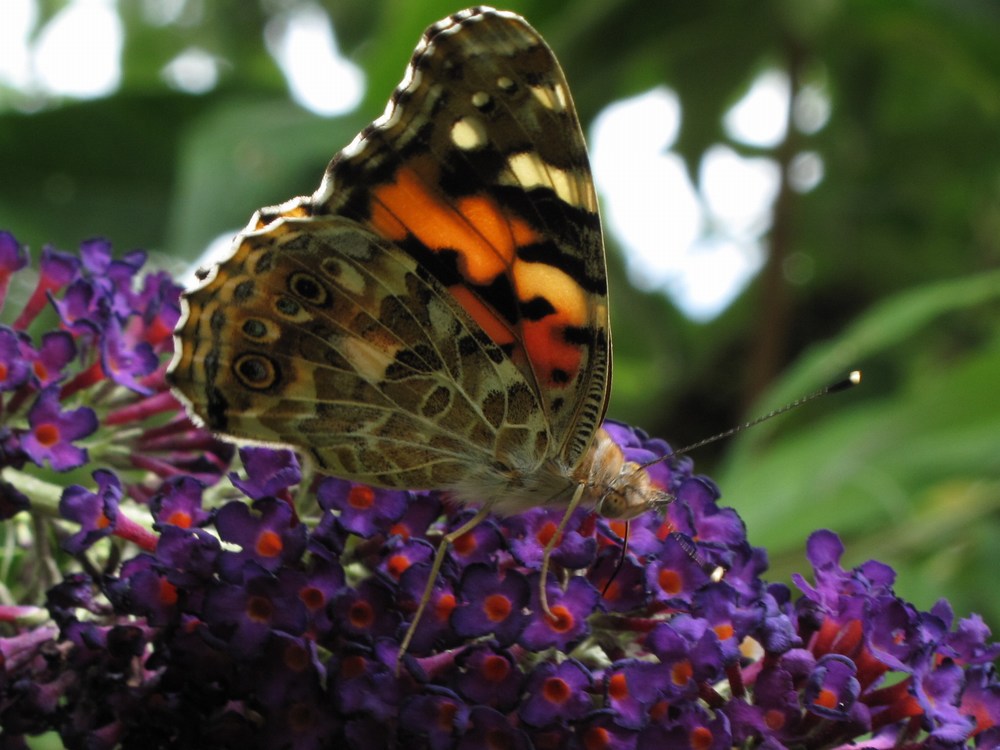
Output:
[[168, 592], [562, 619], [259, 609], [682, 672], [361, 614], [497, 607], [700, 738], [495, 668], [465, 545], [361, 497], [397, 565], [180, 518], [269, 544], [596, 738], [47, 434], [670, 581], [444, 607], [312, 597], [555, 690], [618, 686]]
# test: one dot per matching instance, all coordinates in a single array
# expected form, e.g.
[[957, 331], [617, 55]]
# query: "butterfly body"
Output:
[[435, 315]]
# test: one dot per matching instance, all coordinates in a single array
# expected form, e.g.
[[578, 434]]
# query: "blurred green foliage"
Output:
[[903, 234]]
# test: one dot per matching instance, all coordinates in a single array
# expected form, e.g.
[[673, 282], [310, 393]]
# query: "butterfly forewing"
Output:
[[479, 170]]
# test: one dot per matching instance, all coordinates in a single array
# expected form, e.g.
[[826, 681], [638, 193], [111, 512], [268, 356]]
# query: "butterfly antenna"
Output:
[[841, 385], [715, 572]]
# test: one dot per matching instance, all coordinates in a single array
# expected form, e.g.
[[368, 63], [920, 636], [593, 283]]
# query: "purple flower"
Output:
[[125, 360], [364, 613], [435, 629], [491, 603], [267, 534], [14, 369], [556, 693], [95, 512], [53, 430], [13, 257], [56, 270], [12, 501], [489, 728], [179, 502], [489, 676], [245, 613], [270, 473], [632, 688], [437, 716], [48, 362], [570, 610], [362, 510], [363, 684], [529, 532], [603, 729]]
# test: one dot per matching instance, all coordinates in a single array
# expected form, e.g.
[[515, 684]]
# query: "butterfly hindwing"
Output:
[[359, 358]]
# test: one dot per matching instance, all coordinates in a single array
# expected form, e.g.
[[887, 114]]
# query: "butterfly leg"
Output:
[[442, 550], [550, 545]]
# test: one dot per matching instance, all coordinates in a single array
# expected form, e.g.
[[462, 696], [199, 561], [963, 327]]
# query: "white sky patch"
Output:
[[739, 192], [649, 202], [806, 171], [811, 110], [78, 52], [17, 19], [319, 78], [700, 247], [760, 117], [193, 71], [716, 271]]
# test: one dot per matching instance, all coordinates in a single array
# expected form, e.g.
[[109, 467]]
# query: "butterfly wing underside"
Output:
[[438, 307], [319, 334]]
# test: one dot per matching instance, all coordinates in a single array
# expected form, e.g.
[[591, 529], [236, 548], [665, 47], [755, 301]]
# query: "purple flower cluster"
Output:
[[240, 622], [91, 335]]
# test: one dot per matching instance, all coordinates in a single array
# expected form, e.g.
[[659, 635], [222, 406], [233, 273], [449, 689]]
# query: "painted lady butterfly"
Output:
[[435, 315]]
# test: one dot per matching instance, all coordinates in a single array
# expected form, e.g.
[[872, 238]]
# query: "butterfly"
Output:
[[435, 315]]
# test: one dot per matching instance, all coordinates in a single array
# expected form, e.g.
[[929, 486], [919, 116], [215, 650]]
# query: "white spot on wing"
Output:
[[530, 171], [549, 97], [468, 133]]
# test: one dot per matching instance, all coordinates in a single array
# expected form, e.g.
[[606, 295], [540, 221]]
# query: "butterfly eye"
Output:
[[613, 504]]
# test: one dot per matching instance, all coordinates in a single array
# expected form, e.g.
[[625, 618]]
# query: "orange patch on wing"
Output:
[[549, 351], [484, 236], [491, 323], [544, 339]]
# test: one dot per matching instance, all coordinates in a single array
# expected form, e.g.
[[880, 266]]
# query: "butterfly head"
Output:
[[631, 494]]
